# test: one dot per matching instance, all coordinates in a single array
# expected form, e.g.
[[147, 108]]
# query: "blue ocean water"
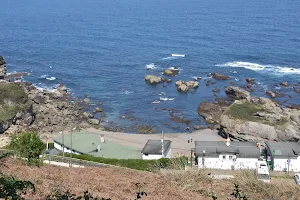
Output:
[[102, 48]]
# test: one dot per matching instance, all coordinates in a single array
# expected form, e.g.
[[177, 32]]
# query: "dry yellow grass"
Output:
[[103, 182]]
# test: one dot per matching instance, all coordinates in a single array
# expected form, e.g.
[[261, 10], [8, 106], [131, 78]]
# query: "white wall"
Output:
[[280, 164], [66, 150], [227, 163], [155, 156]]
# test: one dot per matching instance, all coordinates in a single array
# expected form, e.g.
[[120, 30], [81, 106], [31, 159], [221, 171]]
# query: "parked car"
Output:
[[297, 179]]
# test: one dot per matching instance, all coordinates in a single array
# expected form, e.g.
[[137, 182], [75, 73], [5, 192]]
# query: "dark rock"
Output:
[[270, 94], [294, 106], [208, 83], [183, 86], [219, 76], [181, 120], [145, 129], [94, 121], [198, 127], [237, 93], [169, 80], [250, 80], [216, 90], [296, 90], [250, 88], [97, 110], [232, 83], [122, 117], [211, 111], [62, 88], [284, 84]]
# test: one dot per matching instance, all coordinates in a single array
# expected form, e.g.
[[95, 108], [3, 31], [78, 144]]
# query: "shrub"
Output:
[[28, 145]]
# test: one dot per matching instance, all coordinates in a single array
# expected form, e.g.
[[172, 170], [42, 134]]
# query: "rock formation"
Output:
[[3, 69], [236, 93], [171, 71], [183, 86], [219, 76], [254, 118], [152, 79]]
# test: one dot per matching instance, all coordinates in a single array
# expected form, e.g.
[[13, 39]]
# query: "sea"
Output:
[[102, 48]]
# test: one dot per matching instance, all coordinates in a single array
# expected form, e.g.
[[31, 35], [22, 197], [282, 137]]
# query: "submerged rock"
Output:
[[284, 84], [250, 80]]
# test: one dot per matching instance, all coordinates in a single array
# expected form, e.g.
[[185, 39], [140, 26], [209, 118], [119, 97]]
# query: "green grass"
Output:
[[245, 111], [8, 112], [11, 92], [13, 99], [138, 164]]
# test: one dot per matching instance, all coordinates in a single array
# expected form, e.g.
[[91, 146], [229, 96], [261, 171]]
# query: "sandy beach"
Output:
[[180, 144]]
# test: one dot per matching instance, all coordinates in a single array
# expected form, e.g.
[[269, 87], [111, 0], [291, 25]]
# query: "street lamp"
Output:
[[63, 143]]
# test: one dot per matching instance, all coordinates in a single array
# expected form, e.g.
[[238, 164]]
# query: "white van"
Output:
[[262, 171]]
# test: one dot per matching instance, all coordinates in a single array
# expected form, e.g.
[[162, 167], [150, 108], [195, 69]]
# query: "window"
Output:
[[230, 157], [224, 157]]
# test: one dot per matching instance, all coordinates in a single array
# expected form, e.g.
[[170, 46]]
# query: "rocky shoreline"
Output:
[[24, 107], [240, 115]]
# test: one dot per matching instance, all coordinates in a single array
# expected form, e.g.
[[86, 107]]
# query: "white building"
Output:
[[283, 156], [153, 150], [227, 156]]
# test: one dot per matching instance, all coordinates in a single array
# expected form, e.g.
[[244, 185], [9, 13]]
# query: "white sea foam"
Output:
[[124, 91], [43, 76], [43, 87], [151, 66], [246, 65], [260, 67], [168, 58], [178, 55], [52, 78], [166, 99]]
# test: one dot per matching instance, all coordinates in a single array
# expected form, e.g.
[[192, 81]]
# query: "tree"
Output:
[[28, 145]]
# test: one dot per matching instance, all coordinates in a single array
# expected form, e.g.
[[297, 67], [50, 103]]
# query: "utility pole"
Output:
[[63, 144], [162, 144]]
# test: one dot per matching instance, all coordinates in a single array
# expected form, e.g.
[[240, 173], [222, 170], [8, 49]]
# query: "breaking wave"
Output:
[[260, 67]]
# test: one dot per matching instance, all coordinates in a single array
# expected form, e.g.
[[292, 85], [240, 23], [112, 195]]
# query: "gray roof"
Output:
[[215, 148], [284, 149], [154, 147]]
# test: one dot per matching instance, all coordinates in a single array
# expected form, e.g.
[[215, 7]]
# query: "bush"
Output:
[[28, 145]]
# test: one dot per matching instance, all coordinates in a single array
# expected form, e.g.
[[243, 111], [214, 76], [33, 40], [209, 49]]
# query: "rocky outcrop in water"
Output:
[[171, 71], [183, 86], [220, 76], [152, 79], [237, 93]]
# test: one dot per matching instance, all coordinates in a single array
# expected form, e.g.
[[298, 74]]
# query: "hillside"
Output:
[[120, 183]]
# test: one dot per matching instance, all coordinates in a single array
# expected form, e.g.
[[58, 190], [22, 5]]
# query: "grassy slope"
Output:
[[245, 112], [120, 183], [13, 99]]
